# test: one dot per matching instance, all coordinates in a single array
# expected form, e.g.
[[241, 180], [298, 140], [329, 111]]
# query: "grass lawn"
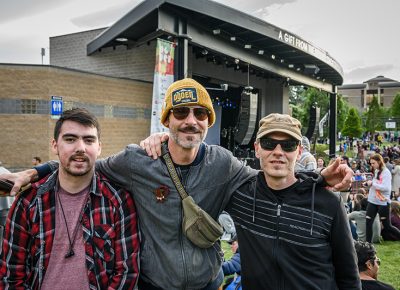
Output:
[[388, 252]]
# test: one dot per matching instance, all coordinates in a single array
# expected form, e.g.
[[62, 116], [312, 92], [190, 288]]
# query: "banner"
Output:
[[163, 78]]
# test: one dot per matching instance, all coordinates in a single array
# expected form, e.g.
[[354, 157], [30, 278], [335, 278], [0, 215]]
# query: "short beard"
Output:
[[193, 142], [77, 174]]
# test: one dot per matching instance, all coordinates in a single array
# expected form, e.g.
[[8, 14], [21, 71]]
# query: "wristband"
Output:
[[43, 170]]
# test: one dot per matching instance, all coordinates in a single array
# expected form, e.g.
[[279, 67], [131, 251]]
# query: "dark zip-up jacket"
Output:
[[296, 238]]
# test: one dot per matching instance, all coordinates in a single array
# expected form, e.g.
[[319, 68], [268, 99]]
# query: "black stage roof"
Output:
[[225, 32]]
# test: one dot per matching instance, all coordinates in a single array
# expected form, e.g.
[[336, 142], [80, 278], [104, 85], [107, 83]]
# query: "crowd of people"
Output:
[[375, 192], [117, 223], [373, 201]]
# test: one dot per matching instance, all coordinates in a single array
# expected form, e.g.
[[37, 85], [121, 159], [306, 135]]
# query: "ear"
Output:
[[369, 264], [300, 150], [256, 148], [54, 147], [99, 149]]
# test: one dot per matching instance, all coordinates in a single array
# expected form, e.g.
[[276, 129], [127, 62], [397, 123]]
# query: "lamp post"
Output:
[[43, 53]]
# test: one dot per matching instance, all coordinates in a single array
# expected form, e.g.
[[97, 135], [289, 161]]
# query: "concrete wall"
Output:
[[354, 97], [122, 106]]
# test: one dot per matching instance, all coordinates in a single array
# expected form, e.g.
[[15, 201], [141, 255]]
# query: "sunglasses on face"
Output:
[[286, 145], [376, 260], [181, 113]]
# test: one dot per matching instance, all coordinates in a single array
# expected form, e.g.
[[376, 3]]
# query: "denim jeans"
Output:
[[213, 285]]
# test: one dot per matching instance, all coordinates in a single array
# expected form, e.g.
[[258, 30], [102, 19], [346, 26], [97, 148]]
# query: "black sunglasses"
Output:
[[181, 113], [286, 145], [376, 260]]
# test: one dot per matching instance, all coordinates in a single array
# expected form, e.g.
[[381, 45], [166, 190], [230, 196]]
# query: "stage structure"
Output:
[[255, 63]]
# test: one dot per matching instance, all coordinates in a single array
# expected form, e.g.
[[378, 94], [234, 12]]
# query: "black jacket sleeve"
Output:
[[343, 252]]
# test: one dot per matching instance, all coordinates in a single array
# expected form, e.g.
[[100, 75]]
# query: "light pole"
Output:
[[43, 53]]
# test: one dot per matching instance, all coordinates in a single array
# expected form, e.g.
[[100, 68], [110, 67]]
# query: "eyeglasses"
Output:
[[181, 113], [286, 145], [376, 260]]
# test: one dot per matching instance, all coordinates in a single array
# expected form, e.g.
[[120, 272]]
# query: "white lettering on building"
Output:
[[309, 48], [293, 40]]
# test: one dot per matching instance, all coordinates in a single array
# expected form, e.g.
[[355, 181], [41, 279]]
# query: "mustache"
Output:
[[79, 156], [190, 129]]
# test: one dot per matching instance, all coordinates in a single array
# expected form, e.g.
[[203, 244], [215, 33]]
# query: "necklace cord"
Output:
[[70, 252]]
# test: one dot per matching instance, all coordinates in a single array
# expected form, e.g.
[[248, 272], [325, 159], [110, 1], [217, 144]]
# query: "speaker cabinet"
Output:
[[247, 118], [314, 119]]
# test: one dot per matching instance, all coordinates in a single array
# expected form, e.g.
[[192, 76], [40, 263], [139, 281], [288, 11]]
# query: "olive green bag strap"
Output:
[[172, 171]]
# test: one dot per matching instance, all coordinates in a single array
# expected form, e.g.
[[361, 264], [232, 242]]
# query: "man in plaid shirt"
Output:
[[72, 229]]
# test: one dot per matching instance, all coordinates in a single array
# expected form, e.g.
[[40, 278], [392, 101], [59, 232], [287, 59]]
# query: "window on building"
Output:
[[28, 107], [372, 92]]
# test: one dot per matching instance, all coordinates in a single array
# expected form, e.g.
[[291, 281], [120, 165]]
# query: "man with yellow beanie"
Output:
[[210, 175]]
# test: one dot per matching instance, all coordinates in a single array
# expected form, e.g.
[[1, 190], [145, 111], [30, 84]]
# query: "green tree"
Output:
[[314, 97], [342, 108], [374, 116], [301, 100], [352, 125], [395, 110], [296, 98], [396, 106]]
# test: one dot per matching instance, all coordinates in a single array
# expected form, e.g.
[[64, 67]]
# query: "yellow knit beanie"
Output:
[[187, 92]]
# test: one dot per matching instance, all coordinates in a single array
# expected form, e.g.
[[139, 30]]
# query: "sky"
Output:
[[362, 35]]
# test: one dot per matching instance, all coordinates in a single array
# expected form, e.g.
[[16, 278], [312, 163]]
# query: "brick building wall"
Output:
[[134, 63], [122, 106]]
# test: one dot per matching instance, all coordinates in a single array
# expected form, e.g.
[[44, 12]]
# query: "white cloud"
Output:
[[360, 34]]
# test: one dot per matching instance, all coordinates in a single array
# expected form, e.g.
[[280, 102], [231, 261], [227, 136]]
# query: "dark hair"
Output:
[[378, 158], [365, 252], [233, 239], [364, 203], [37, 158], [78, 115], [358, 197], [395, 208]]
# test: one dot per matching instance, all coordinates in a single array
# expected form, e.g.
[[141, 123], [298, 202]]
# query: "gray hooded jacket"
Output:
[[307, 161]]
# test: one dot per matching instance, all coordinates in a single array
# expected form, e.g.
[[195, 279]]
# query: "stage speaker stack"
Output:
[[314, 119], [247, 118]]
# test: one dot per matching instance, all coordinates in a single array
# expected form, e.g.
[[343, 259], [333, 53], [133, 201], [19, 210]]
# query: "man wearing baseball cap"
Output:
[[209, 174], [293, 233]]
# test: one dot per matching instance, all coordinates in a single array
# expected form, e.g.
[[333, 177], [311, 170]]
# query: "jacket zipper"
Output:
[[181, 235], [278, 215]]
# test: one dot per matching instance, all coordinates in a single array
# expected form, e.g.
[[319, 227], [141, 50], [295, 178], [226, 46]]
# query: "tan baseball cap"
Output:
[[279, 123]]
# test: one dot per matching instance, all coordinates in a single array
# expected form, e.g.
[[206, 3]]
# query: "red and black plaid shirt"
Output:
[[109, 230]]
